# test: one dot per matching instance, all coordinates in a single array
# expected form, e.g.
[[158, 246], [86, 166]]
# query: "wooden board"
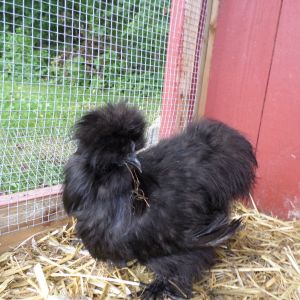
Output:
[[173, 69], [30, 208], [11, 240], [242, 54], [278, 149], [194, 20], [254, 87], [30, 195], [205, 65], [184, 52]]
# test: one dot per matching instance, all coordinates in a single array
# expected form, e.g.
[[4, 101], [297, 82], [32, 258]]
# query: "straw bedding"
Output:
[[261, 262]]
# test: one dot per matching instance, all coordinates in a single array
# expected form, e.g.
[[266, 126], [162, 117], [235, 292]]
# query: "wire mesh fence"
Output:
[[60, 58]]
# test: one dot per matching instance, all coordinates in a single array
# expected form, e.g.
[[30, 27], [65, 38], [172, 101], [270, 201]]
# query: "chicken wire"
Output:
[[59, 59]]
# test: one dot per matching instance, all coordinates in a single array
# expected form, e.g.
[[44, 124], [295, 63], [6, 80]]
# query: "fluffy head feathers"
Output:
[[109, 134], [116, 125]]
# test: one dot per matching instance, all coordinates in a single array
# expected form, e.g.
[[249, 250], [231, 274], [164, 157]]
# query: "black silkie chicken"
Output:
[[189, 183]]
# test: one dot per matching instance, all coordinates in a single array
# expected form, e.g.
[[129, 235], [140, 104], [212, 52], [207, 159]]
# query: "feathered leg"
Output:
[[175, 274]]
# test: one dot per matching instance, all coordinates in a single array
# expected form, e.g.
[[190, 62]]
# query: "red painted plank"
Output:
[[171, 92], [195, 73], [278, 189], [37, 194], [241, 61]]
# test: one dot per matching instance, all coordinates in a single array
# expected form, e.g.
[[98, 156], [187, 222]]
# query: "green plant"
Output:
[[60, 58], [103, 44], [20, 61]]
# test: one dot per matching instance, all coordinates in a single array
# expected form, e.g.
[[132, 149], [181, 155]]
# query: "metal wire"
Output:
[[59, 59]]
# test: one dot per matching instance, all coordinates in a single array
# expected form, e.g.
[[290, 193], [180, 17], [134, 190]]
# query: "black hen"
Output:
[[168, 206]]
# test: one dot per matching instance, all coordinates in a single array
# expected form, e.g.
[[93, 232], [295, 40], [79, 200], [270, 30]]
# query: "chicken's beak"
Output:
[[133, 161]]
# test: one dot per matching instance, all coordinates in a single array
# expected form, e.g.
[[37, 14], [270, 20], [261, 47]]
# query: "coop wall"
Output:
[[254, 86]]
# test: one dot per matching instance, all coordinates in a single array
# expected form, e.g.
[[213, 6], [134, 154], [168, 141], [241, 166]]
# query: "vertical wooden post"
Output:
[[195, 18], [184, 55], [204, 66], [173, 69]]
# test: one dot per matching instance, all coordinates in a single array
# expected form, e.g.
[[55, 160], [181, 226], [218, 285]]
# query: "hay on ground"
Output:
[[261, 262]]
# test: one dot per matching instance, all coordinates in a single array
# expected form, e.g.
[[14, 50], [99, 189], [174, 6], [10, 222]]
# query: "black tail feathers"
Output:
[[218, 232]]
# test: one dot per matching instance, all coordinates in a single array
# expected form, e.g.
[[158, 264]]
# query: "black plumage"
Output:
[[189, 182]]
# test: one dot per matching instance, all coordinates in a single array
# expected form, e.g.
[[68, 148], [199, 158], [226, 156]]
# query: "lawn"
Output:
[[35, 128]]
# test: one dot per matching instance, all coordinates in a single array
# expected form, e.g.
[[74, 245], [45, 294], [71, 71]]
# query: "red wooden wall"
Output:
[[254, 86]]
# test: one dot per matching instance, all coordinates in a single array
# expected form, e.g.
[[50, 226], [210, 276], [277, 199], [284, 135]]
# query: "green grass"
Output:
[[35, 123]]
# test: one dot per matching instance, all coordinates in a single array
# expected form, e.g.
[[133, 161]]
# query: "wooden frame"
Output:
[[30, 208], [204, 66], [11, 240], [185, 72], [26, 213], [173, 69]]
